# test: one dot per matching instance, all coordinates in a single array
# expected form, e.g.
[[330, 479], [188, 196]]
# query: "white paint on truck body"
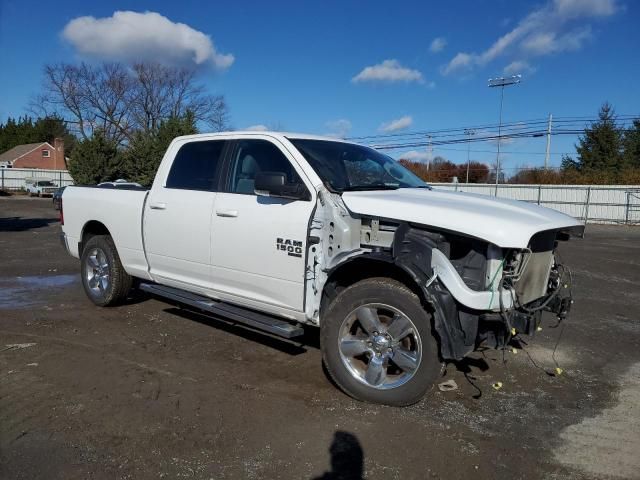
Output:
[[226, 245]]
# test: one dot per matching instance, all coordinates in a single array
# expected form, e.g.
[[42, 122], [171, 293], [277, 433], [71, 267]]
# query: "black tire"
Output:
[[384, 292], [118, 284]]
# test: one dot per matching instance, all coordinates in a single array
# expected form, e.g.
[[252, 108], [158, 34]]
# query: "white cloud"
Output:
[[548, 42], [461, 61], [388, 71], [338, 128], [549, 29], [577, 8], [518, 67], [148, 36], [397, 124], [415, 156], [257, 128], [437, 45]]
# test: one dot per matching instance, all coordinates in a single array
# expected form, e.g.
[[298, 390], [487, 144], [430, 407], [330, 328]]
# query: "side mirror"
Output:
[[274, 184]]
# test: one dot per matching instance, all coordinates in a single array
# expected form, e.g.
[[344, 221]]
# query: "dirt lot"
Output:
[[149, 391]]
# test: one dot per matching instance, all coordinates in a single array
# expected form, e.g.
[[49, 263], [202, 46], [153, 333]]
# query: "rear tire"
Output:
[[378, 344], [104, 279]]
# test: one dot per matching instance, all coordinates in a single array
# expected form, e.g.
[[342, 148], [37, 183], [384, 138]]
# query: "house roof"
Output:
[[20, 151]]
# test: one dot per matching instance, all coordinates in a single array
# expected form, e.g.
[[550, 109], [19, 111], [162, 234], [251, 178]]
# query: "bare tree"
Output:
[[120, 100]]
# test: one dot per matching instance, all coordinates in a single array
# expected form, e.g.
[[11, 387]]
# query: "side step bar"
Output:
[[249, 318]]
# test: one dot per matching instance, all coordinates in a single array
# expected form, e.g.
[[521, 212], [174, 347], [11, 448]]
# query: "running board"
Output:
[[249, 318]]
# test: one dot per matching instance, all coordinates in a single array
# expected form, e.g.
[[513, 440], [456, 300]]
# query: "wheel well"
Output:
[[91, 229], [361, 268]]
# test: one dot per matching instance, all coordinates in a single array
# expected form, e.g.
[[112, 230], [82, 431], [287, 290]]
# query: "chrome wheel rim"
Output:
[[96, 271], [380, 346]]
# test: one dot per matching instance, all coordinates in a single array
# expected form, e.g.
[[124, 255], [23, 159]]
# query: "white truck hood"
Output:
[[505, 223]]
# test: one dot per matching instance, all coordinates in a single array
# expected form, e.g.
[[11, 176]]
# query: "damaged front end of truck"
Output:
[[479, 293], [482, 294]]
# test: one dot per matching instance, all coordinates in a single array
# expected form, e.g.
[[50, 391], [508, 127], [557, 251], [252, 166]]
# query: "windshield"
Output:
[[348, 167], [46, 184]]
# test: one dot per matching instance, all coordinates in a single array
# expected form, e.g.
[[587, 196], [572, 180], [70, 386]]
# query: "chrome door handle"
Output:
[[227, 213], [158, 206]]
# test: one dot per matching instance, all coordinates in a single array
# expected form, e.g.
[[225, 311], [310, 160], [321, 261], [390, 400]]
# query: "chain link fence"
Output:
[[589, 203], [13, 179]]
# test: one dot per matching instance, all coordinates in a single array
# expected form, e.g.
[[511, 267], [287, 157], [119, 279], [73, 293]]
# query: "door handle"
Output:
[[158, 206], [227, 213]]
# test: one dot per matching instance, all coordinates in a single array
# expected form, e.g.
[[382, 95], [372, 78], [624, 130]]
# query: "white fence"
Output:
[[14, 178], [590, 203]]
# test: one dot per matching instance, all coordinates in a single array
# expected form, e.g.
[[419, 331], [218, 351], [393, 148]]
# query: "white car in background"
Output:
[[120, 183], [40, 188]]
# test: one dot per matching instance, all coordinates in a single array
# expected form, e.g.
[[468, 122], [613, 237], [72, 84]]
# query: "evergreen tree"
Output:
[[600, 148], [25, 130], [632, 145], [95, 160], [146, 149]]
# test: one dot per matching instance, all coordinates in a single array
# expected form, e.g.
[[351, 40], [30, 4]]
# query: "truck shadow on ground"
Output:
[[297, 346], [347, 458], [20, 224]]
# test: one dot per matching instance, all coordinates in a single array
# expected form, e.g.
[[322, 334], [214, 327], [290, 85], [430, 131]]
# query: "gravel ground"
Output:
[[146, 390]]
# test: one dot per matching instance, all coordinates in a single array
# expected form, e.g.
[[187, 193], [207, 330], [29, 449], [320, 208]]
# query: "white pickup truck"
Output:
[[274, 230]]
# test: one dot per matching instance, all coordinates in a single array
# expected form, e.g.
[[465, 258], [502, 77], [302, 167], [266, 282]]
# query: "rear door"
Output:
[[258, 242], [177, 217]]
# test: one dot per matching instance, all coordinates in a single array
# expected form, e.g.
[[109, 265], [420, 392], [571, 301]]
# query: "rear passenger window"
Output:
[[197, 166]]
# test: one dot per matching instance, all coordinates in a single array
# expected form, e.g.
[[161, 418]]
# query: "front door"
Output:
[[259, 242], [177, 217]]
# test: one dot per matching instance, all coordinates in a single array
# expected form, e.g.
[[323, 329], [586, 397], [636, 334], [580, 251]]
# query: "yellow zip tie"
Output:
[[513, 331], [559, 371], [497, 385]]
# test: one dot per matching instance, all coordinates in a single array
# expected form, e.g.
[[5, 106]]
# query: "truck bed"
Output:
[[119, 210]]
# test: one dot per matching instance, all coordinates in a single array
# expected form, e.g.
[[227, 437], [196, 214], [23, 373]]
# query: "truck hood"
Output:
[[505, 223]]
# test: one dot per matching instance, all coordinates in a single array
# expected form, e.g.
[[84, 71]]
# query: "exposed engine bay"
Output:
[[479, 293]]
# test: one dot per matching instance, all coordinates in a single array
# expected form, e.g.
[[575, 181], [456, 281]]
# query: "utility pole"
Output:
[[429, 152], [469, 132], [501, 82], [547, 152]]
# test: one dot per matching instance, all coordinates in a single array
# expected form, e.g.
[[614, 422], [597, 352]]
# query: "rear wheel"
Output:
[[104, 279], [378, 345]]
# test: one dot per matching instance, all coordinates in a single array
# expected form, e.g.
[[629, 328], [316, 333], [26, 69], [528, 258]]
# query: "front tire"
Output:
[[105, 281], [378, 344]]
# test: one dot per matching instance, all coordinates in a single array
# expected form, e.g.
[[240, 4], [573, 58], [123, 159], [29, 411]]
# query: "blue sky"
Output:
[[302, 66]]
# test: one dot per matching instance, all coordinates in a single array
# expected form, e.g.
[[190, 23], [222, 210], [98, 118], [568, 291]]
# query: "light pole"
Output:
[[469, 132], [501, 82]]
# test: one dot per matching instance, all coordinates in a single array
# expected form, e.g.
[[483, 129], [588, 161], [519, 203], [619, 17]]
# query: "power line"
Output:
[[577, 122], [503, 151]]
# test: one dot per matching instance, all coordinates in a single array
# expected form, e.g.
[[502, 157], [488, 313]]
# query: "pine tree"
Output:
[[632, 145], [145, 152], [600, 148], [95, 160], [25, 130]]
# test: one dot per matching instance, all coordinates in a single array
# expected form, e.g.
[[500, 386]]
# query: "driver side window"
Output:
[[254, 156]]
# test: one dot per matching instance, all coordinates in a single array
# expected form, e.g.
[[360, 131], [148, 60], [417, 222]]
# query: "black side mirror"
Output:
[[274, 184]]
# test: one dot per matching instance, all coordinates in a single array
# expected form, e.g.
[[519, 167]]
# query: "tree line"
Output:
[[605, 154], [117, 120]]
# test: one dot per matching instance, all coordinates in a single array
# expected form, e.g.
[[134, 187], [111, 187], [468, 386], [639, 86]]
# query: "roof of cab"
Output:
[[252, 133]]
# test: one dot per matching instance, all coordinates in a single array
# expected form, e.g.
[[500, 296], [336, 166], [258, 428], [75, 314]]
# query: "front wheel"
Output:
[[378, 345], [104, 279]]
